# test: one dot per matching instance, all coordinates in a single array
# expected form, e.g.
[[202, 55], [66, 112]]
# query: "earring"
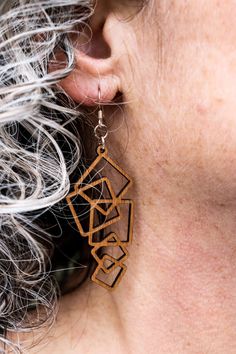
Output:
[[98, 207]]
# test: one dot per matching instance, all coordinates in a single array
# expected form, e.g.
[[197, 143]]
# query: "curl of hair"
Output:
[[34, 168]]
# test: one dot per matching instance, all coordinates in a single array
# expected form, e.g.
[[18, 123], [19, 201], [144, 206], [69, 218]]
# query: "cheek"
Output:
[[200, 97], [185, 81]]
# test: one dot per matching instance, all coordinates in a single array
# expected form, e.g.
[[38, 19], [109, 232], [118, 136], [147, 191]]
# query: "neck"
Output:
[[179, 290], [178, 294]]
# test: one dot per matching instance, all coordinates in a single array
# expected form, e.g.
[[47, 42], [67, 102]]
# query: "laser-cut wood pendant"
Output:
[[100, 201]]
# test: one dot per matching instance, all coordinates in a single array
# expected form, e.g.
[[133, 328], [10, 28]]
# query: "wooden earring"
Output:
[[100, 200]]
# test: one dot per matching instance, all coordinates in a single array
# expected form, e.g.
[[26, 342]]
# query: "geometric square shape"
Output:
[[109, 280], [103, 160], [93, 213], [110, 200], [112, 244], [125, 224], [103, 224]]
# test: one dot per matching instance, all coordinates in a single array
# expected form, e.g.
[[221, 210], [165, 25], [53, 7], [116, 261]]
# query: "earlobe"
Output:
[[82, 84], [97, 65]]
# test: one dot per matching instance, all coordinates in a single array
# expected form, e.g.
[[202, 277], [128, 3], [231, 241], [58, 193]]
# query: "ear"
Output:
[[96, 63]]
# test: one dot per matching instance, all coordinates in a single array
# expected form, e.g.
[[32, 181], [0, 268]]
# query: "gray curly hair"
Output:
[[34, 172]]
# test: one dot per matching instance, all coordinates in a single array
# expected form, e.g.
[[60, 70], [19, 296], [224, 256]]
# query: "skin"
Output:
[[175, 64]]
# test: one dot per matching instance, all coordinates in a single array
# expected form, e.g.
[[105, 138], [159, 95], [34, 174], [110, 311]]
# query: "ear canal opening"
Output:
[[93, 43], [98, 47]]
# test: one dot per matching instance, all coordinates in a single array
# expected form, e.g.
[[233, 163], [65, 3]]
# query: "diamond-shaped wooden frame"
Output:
[[95, 205]]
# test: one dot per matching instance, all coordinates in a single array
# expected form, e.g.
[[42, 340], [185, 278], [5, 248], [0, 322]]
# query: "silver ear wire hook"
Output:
[[100, 110], [100, 131], [99, 95]]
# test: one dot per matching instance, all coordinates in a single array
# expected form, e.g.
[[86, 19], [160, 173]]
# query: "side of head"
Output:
[[173, 62], [173, 65]]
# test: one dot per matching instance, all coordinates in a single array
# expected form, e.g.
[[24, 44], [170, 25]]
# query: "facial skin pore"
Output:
[[175, 64]]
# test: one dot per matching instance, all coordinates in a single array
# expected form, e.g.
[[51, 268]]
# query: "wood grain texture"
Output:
[[110, 264]]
